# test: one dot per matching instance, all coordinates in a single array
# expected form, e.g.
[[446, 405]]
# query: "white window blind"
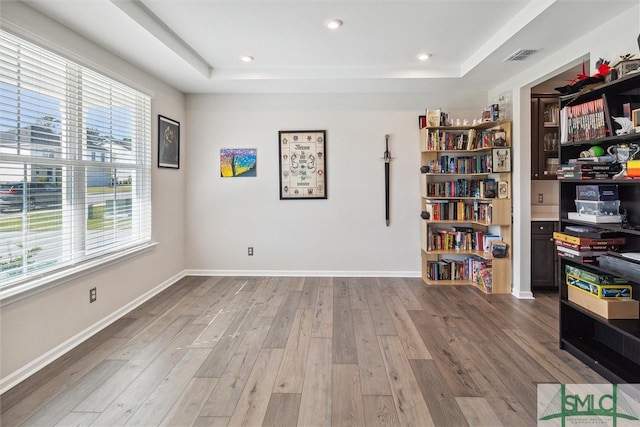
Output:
[[75, 164]]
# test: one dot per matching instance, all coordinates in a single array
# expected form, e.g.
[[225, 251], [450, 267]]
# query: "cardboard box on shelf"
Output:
[[608, 308]]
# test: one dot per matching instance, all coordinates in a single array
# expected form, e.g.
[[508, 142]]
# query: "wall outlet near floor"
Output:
[[540, 198], [250, 251], [93, 295]]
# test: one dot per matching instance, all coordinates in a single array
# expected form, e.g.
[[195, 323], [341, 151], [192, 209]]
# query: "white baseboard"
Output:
[[289, 273], [523, 295], [31, 368]]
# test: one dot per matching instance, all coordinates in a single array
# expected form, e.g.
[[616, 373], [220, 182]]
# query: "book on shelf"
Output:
[[455, 239], [436, 209], [578, 258], [584, 175], [471, 140], [463, 229], [456, 210], [575, 247], [458, 188], [488, 240], [589, 167], [477, 268], [589, 231], [447, 140], [462, 164], [447, 269], [606, 159], [631, 255], [561, 248], [588, 240], [488, 188], [499, 249], [482, 211], [485, 280]]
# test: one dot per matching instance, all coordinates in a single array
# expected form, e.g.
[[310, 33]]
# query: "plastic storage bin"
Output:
[[590, 207], [597, 192]]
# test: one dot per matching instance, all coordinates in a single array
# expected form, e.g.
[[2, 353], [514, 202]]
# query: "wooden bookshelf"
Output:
[[467, 200]]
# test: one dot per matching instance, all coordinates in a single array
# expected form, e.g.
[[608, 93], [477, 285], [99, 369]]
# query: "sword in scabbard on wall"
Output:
[[387, 164]]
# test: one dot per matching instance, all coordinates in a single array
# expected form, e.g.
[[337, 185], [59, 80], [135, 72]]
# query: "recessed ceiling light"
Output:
[[333, 24], [424, 56], [246, 58]]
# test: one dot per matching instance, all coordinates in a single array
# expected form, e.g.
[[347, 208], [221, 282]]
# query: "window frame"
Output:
[[85, 261]]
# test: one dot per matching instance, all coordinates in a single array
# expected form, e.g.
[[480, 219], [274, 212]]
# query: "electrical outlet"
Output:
[[250, 251], [540, 198], [93, 295]]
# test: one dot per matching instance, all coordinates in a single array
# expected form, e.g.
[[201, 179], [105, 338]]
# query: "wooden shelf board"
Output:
[[456, 283], [481, 254], [488, 199], [628, 327], [449, 282], [460, 174], [600, 358], [457, 221], [471, 150]]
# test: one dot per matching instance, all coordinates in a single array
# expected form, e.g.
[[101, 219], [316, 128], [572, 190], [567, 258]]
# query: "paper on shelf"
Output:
[[632, 255]]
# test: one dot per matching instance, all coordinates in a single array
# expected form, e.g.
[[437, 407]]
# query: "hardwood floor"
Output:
[[232, 351]]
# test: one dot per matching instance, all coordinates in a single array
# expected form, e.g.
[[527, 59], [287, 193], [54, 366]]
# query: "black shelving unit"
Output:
[[610, 347]]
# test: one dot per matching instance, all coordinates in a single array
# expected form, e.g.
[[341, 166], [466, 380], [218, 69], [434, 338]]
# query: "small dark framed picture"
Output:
[[501, 161], [168, 143]]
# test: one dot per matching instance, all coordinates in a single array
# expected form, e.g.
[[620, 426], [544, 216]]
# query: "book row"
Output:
[[461, 165], [458, 210], [483, 188], [443, 140], [586, 246], [584, 121], [459, 239], [477, 270], [587, 170]]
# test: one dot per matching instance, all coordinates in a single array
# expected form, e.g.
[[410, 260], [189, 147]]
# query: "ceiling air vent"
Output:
[[520, 55]]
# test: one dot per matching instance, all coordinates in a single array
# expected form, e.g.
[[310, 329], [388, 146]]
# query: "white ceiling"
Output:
[[375, 50]]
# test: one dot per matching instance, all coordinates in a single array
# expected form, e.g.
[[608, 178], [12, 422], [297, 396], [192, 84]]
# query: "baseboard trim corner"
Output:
[[34, 366]]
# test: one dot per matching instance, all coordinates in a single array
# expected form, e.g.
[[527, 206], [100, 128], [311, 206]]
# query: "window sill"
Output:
[[50, 280]]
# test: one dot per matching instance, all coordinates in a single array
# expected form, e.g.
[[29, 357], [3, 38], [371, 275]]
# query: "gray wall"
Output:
[[36, 329]]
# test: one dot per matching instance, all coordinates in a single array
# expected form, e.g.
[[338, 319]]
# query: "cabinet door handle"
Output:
[[541, 227], [551, 239]]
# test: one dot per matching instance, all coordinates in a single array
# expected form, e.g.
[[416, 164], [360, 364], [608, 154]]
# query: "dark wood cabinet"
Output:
[[544, 136], [544, 263]]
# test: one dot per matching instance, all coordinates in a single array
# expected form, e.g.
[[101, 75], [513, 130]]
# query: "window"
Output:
[[75, 166]]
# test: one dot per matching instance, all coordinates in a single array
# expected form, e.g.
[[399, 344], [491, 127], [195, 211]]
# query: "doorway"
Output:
[[545, 144]]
